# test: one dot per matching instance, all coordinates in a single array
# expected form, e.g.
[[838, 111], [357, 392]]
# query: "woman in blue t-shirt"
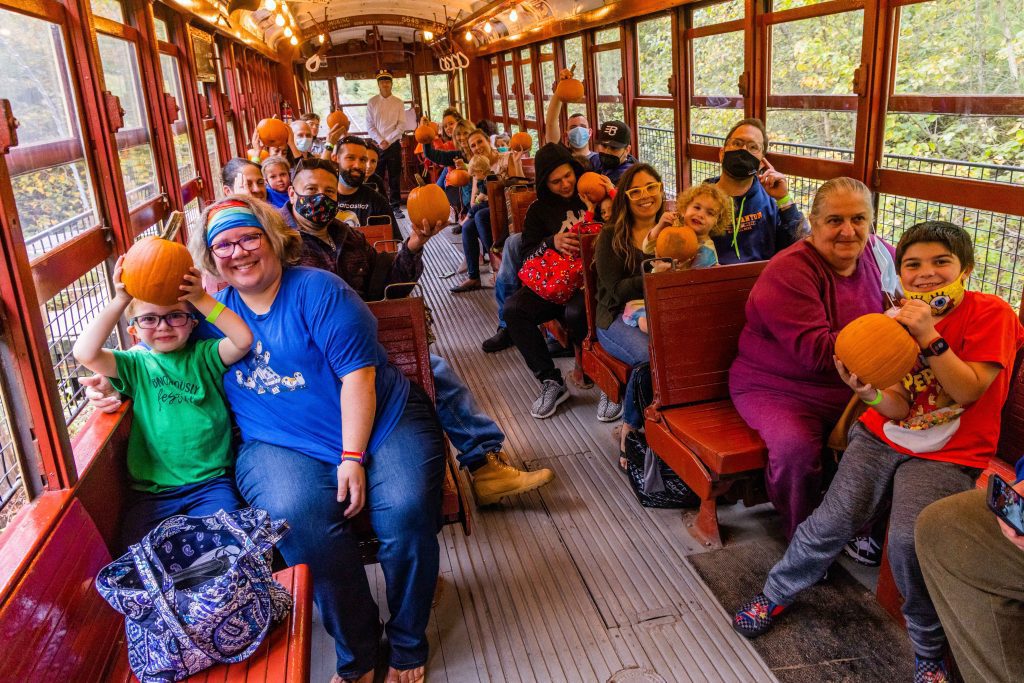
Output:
[[328, 425]]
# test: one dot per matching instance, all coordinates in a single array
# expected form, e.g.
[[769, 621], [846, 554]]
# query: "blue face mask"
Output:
[[579, 137], [503, 149], [304, 144]]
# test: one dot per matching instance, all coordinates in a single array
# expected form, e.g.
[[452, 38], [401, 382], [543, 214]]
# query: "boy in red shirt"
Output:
[[924, 438]]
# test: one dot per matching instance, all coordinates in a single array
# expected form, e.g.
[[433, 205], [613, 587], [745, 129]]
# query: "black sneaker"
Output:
[[499, 342], [457, 229], [864, 550], [556, 350]]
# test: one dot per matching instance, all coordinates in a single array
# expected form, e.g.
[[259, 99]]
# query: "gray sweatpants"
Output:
[[867, 472]]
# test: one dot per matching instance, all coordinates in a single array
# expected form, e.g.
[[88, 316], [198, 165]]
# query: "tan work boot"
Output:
[[498, 479]]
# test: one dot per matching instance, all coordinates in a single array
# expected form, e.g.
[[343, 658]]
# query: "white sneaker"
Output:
[[608, 411], [552, 393], [864, 550]]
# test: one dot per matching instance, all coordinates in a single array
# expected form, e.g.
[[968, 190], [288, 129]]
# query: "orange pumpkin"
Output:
[[570, 89], [591, 186], [426, 132], [877, 349], [336, 117], [676, 241], [154, 268], [273, 132], [520, 142], [428, 202], [457, 177], [254, 155]]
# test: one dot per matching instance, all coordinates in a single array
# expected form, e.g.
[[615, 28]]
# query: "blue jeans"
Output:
[[471, 431], [630, 345], [403, 480], [144, 510], [476, 229], [506, 282]]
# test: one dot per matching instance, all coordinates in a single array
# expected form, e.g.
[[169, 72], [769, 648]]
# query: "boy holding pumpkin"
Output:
[[924, 438], [180, 457]]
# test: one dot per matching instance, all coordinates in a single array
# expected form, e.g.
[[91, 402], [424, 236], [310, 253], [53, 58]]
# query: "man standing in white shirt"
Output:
[[386, 123]]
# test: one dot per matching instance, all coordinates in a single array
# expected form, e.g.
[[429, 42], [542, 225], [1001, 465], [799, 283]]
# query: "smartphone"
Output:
[[1006, 503]]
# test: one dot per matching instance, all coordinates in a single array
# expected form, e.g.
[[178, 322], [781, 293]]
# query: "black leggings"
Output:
[[391, 160], [524, 311]]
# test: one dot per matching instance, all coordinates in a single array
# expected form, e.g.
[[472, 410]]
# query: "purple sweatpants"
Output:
[[795, 430]]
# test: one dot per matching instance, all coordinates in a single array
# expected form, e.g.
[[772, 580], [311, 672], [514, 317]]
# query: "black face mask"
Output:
[[609, 161], [740, 164], [352, 177]]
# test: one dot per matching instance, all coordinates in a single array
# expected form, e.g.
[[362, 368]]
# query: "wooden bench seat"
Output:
[[695, 318], [57, 627], [717, 435]]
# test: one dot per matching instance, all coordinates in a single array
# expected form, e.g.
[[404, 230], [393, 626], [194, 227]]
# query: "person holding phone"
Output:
[[926, 437], [973, 565], [766, 219]]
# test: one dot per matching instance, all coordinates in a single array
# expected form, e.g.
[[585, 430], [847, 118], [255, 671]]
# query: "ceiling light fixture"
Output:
[[427, 35], [288, 33], [487, 27], [294, 41], [468, 36], [321, 38], [279, 20], [513, 15], [270, 5]]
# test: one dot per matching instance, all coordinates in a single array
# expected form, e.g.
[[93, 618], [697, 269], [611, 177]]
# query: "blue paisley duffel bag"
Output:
[[197, 591]]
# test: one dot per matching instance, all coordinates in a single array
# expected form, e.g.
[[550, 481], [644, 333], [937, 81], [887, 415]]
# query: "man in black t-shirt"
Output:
[[353, 194]]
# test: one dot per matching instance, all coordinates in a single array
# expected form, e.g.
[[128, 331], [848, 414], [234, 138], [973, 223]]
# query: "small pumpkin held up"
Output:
[[154, 269], [877, 349]]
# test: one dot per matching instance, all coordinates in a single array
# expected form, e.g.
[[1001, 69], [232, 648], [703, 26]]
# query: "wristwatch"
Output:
[[936, 347], [329, 147]]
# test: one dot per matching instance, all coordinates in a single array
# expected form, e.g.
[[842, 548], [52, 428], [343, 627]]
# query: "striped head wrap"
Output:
[[227, 215]]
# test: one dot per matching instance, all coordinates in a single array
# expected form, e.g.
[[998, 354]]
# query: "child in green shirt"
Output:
[[179, 451]]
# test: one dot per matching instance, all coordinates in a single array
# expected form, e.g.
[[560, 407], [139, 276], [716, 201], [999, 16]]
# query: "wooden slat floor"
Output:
[[576, 581]]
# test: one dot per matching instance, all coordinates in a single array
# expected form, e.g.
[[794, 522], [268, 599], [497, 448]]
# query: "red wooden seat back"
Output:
[[55, 626], [519, 199], [379, 236], [695, 318], [402, 330], [1011, 432], [499, 211], [608, 372]]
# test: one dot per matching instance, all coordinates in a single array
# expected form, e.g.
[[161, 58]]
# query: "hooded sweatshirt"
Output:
[[764, 229], [550, 214]]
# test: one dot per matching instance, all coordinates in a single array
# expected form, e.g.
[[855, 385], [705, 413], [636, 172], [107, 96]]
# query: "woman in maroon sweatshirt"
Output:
[[784, 382]]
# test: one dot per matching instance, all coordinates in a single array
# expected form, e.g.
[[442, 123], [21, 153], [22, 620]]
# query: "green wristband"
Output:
[[876, 400], [212, 316], [788, 199]]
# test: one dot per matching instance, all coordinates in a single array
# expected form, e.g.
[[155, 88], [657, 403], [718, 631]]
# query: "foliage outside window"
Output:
[[719, 13], [35, 81], [934, 59], [608, 35], [109, 9], [182, 145], [609, 72], [497, 100], [526, 79], [436, 95], [121, 74], [320, 97], [716, 80], [656, 135], [510, 93], [573, 48], [654, 55]]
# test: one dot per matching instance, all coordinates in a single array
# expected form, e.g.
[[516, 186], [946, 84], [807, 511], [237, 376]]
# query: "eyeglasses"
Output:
[[651, 189], [226, 249], [749, 145], [151, 321]]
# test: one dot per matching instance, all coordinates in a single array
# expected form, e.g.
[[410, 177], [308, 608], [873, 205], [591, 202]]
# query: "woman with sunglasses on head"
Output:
[[638, 209]]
